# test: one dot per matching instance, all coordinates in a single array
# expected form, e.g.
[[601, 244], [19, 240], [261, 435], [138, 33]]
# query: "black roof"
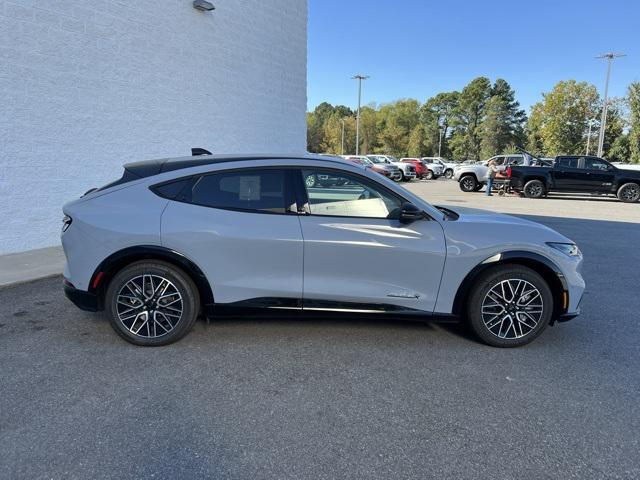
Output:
[[148, 168]]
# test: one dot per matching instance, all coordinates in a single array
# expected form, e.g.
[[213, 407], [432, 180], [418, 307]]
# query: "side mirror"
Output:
[[410, 213]]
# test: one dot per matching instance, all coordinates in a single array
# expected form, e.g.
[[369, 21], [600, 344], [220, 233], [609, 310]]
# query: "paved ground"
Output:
[[328, 398]]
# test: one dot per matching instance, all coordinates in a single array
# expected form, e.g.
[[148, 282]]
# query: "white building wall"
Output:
[[86, 86]]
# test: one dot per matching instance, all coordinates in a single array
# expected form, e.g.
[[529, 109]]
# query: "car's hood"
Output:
[[489, 219]]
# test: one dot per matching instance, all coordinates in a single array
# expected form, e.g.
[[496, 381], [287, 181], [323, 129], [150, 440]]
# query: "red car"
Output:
[[366, 163], [422, 171]]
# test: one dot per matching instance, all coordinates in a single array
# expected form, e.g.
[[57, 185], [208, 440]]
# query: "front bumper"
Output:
[[83, 300]]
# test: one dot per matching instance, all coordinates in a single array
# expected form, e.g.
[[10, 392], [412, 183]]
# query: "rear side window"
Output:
[[568, 162], [171, 190], [249, 190]]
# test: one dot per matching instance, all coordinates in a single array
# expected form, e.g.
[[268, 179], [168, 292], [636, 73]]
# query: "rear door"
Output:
[[567, 174], [242, 229], [357, 257]]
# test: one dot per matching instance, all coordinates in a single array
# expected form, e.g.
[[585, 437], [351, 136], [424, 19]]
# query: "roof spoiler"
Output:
[[199, 151]]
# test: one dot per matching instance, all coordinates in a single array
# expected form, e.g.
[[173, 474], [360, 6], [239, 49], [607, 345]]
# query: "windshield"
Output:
[[375, 159], [392, 159]]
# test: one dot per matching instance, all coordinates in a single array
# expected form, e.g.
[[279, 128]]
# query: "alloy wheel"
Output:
[[468, 184], [149, 306], [535, 190], [512, 308], [630, 193]]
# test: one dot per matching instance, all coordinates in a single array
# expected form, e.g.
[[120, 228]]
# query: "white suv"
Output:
[[177, 238], [407, 171]]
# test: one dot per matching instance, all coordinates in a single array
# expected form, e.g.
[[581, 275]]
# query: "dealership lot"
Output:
[[331, 398]]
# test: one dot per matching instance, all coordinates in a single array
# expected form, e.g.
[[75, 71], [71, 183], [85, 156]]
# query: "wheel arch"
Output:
[[546, 268], [115, 262]]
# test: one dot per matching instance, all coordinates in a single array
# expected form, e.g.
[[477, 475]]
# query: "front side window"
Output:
[[349, 195], [596, 164], [260, 190], [568, 162]]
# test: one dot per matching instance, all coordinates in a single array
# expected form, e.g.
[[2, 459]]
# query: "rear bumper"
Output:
[[83, 300]]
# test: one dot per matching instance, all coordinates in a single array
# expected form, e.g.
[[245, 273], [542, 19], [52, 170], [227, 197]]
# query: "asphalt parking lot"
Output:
[[329, 398]]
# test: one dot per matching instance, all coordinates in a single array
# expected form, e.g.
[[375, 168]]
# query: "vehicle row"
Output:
[[536, 177]]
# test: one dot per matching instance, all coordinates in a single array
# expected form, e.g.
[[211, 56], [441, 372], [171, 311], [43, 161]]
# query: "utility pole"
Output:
[[360, 78], [603, 123], [440, 143], [342, 137]]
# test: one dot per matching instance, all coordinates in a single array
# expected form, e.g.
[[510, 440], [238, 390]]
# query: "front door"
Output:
[[359, 257], [598, 175]]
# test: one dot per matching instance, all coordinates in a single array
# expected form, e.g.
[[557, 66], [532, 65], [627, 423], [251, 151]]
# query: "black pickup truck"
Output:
[[578, 174]]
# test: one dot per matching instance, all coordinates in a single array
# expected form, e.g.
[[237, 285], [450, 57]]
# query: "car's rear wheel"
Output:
[[468, 183], [509, 306], [629, 193], [152, 303], [534, 189], [448, 173], [429, 175]]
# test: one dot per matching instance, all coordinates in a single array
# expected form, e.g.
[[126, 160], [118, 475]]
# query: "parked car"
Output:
[[383, 168], [578, 174], [472, 178], [422, 171], [435, 167], [176, 237], [447, 166], [407, 171]]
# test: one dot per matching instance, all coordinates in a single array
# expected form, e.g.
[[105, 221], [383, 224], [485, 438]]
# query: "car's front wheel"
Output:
[[468, 183], [509, 306], [152, 303], [629, 193], [448, 173]]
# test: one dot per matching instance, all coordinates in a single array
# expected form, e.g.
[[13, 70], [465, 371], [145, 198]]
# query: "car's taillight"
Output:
[[508, 172]]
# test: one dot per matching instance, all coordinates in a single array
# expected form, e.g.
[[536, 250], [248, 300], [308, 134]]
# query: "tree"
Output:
[[332, 134], [437, 115], [395, 123], [633, 99], [416, 144], [316, 122], [468, 118], [558, 124], [503, 123], [620, 151]]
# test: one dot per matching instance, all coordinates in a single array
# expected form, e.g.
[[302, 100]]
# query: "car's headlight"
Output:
[[570, 249]]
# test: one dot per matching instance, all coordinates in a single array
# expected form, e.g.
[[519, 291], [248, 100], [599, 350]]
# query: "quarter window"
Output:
[[253, 190], [341, 194]]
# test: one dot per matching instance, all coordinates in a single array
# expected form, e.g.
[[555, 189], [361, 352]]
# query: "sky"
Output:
[[416, 49]]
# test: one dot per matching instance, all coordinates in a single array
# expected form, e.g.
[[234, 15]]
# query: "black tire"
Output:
[[514, 333], [629, 193], [402, 177], [448, 173], [429, 175], [534, 189], [188, 303], [468, 183]]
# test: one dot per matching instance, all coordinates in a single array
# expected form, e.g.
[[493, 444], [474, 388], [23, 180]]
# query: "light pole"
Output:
[[360, 78], [589, 135], [603, 123], [342, 137], [440, 143]]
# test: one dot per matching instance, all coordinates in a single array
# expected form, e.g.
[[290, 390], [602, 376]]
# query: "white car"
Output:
[[472, 178], [408, 171], [176, 238], [447, 166], [435, 167]]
